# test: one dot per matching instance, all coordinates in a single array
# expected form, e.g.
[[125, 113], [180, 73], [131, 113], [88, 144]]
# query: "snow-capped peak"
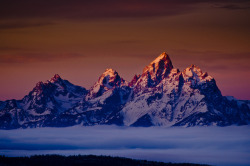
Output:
[[164, 56], [109, 72], [194, 73], [160, 65], [39, 89], [108, 80], [39, 86], [55, 78], [157, 70]]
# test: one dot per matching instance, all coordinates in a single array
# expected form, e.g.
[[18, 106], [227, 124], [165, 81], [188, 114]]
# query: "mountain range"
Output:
[[160, 96]]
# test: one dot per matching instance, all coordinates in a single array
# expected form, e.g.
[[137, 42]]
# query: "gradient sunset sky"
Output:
[[79, 39]]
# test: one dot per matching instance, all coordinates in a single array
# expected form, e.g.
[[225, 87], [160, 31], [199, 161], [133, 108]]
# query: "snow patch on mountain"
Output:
[[160, 96]]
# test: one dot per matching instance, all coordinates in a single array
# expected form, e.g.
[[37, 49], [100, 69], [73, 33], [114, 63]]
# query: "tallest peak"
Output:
[[162, 61], [164, 53], [162, 57], [159, 68]]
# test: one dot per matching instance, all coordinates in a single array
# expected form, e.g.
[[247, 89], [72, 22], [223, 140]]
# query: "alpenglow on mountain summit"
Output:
[[160, 96]]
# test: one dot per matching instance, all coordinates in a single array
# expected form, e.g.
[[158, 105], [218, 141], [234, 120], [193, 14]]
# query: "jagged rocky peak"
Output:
[[43, 88], [55, 78], [192, 71], [161, 65], [39, 87], [155, 72], [108, 80], [195, 73]]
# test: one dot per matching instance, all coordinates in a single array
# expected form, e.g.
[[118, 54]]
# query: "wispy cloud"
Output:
[[8, 48], [36, 57], [232, 6], [23, 24], [77, 9], [215, 59]]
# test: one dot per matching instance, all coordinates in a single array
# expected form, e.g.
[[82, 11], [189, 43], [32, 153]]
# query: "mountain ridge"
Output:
[[160, 96]]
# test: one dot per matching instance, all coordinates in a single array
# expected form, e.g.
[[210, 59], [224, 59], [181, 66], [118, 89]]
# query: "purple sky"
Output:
[[80, 39]]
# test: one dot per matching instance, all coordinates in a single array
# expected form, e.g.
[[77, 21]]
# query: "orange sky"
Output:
[[79, 40]]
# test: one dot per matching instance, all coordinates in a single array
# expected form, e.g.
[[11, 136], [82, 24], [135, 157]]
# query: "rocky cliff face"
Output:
[[160, 96], [46, 100]]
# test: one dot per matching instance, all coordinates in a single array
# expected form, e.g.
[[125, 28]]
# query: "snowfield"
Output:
[[161, 96]]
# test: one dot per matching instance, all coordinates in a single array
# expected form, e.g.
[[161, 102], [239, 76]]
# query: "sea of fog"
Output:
[[206, 145]]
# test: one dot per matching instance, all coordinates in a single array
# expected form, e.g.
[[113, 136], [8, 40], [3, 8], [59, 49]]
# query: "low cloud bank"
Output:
[[208, 145]]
